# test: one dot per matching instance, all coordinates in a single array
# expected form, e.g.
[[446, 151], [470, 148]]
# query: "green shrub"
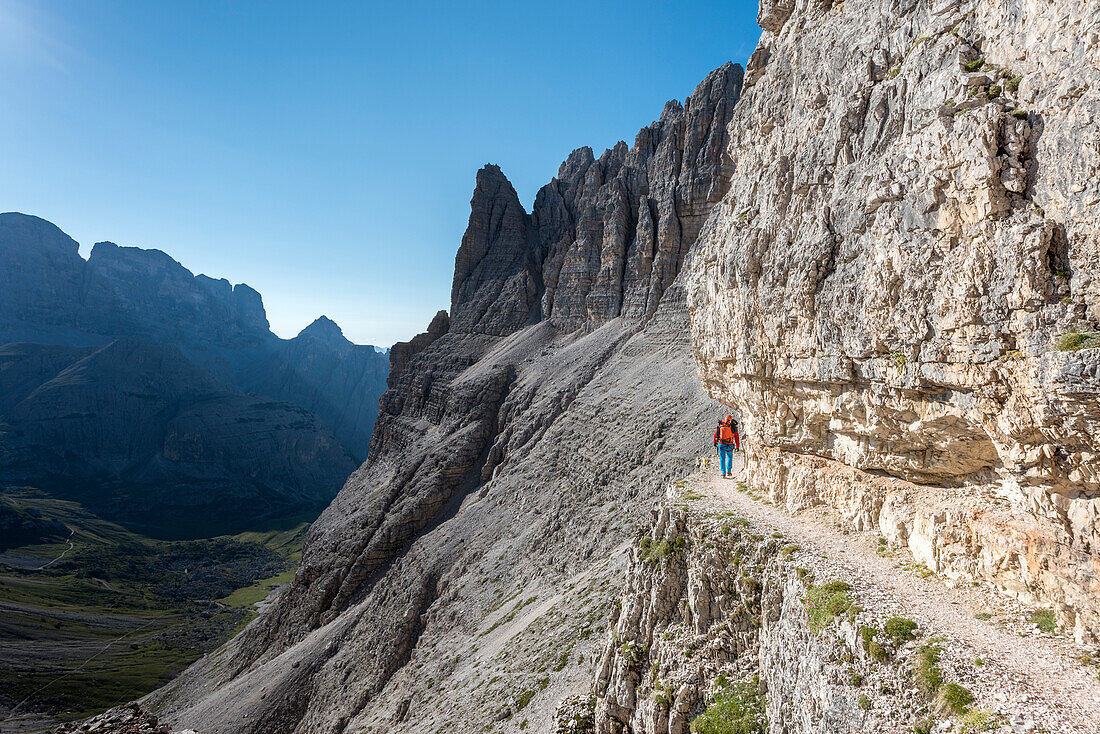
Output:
[[928, 673], [1045, 620], [994, 91], [978, 720], [1019, 114], [1013, 84], [655, 552], [825, 601], [737, 708], [956, 698], [524, 698], [662, 694], [632, 653], [974, 65], [901, 628], [924, 726], [872, 646], [1077, 340]]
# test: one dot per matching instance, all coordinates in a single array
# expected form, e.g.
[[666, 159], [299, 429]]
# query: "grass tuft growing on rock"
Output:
[[871, 645], [825, 602], [654, 552], [1045, 620], [901, 629], [928, 673], [978, 720], [736, 708], [956, 698], [1077, 340]]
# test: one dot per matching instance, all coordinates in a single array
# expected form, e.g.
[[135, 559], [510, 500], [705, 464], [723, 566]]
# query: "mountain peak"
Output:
[[326, 330]]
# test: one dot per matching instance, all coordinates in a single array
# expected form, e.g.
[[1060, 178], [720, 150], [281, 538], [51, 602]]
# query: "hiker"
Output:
[[727, 440]]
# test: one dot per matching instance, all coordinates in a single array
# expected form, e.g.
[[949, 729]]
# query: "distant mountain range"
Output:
[[161, 398]]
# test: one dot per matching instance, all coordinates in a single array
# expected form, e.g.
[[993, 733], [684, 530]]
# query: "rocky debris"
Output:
[[128, 719], [574, 715], [889, 291], [514, 452]]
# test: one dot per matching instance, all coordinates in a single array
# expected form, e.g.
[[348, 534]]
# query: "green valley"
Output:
[[93, 614]]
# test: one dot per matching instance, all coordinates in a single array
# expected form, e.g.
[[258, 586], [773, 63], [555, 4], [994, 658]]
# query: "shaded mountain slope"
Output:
[[50, 295], [205, 458]]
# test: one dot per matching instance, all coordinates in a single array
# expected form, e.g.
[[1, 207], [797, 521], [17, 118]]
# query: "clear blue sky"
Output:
[[324, 153]]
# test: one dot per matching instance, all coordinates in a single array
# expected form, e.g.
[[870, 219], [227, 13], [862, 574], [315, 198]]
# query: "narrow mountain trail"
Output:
[[1038, 679], [63, 553]]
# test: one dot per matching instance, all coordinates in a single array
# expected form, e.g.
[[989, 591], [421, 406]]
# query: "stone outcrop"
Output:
[[518, 445], [139, 433], [907, 245], [615, 230], [402, 352], [724, 604]]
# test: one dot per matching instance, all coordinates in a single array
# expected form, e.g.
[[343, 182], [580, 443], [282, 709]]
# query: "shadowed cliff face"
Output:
[[513, 453], [138, 433], [607, 236], [909, 233], [50, 295], [161, 452]]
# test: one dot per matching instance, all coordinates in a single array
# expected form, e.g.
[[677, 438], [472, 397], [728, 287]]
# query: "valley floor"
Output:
[[104, 615], [1025, 677]]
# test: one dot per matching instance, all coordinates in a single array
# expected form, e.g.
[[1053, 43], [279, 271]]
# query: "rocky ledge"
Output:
[[735, 612]]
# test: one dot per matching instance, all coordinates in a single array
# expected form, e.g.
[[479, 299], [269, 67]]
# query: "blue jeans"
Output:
[[725, 457]]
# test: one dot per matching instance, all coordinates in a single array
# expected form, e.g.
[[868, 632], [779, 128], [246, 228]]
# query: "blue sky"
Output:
[[325, 153]]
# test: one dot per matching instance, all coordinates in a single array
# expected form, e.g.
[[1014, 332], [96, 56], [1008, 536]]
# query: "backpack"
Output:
[[726, 431]]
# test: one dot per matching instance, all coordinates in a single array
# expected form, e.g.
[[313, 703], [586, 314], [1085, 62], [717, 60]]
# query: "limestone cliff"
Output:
[[519, 445], [900, 288]]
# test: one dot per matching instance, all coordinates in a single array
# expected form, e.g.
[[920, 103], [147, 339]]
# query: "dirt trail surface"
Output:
[[65, 552], [1037, 680]]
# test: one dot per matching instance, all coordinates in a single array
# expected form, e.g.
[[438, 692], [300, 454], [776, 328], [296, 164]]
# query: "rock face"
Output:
[[908, 237], [323, 372], [724, 609], [519, 444], [204, 459], [607, 236], [50, 295]]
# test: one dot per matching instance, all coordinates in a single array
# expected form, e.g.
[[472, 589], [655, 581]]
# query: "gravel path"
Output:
[[1037, 679]]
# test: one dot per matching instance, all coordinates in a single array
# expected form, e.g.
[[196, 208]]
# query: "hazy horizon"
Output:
[[325, 156]]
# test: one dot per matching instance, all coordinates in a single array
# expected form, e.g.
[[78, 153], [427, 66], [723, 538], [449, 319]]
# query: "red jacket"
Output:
[[736, 436]]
